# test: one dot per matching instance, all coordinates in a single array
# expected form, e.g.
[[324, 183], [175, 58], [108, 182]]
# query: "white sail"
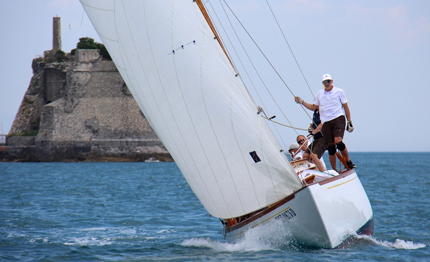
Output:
[[186, 87]]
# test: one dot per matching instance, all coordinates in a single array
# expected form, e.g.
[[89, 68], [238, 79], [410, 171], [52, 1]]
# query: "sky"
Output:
[[378, 52]]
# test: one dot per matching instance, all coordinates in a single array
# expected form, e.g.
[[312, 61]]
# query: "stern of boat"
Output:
[[343, 206]]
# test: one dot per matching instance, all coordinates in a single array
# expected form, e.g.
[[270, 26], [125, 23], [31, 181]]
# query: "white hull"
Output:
[[323, 214]]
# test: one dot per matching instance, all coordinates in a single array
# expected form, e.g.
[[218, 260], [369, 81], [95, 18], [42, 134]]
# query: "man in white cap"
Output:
[[333, 107], [294, 151]]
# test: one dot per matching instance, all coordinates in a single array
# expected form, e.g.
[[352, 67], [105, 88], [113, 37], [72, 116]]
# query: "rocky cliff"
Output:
[[80, 110]]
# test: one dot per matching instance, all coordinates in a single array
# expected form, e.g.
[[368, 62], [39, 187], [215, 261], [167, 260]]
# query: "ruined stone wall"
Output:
[[82, 111]]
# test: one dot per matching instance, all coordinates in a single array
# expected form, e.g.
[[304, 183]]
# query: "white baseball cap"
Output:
[[294, 146], [326, 77]]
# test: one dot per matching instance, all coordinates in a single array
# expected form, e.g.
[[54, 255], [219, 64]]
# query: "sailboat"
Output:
[[177, 69]]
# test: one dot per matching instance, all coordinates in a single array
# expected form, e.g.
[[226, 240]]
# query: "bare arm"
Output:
[[347, 112], [318, 129], [311, 107]]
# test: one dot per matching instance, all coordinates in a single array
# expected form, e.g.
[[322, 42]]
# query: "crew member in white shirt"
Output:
[[333, 107]]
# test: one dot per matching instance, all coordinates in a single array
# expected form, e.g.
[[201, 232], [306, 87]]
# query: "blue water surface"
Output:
[[147, 212]]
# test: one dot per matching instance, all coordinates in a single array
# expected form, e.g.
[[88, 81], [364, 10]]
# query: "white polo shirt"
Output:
[[330, 103]]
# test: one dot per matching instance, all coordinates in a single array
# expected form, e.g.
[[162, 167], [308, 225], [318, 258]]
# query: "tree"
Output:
[[89, 43], [86, 43], [60, 56]]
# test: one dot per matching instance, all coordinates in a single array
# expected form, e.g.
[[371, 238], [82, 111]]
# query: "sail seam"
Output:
[[235, 138], [258, 126], [140, 89], [97, 8], [218, 143], [107, 38], [168, 127], [198, 136], [186, 145]]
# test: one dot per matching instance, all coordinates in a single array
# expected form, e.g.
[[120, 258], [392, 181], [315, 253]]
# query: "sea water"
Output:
[[147, 212]]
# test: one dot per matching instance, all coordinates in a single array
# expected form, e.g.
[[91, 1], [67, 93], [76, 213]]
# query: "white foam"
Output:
[[275, 236], [88, 241], [38, 240], [128, 231], [271, 236], [398, 243]]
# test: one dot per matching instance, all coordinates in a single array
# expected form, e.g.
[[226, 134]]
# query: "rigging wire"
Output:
[[82, 19], [222, 40], [294, 59], [250, 60], [234, 49], [267, 118], [261, 51], [291, 50], [279, 123], [240, 60], [297, 66], [264, 55], [243, 66]]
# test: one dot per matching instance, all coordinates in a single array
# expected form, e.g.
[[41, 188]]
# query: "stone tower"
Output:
[[56, 38]]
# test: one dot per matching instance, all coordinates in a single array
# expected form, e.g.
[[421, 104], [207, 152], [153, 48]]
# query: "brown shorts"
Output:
[[318, 147], [334, 128]]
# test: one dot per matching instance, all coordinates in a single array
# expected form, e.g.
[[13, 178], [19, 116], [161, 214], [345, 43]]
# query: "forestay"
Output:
[[186, 87]]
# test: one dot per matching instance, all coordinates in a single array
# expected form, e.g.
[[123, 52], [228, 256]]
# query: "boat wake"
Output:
[[272, 236], [397, 244], [275, 236]]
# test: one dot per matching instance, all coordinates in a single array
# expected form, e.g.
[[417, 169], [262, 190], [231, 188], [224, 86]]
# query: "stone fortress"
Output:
[[79, 109]]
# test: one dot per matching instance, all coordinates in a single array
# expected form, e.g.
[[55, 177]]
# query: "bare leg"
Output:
[[345, 151], [332, 159]]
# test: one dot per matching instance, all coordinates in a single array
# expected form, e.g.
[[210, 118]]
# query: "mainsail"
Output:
[[187, 88]]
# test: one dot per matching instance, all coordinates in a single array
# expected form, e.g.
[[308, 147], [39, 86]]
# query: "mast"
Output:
[[211, 25]]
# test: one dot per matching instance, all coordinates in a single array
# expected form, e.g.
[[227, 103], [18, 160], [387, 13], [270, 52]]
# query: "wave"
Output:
[[272, 236], [275, 236], [88, 241], [397, 244]]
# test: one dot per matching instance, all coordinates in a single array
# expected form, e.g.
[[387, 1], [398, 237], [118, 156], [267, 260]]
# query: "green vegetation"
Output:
[[60, 56], [35, 125], [27, 100], [28, 133], [25, 133], [125, 89], [33, 130], [89, 43]]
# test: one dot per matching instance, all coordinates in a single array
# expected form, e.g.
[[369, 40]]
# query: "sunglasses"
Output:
[[301, 141], [326, 82]]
